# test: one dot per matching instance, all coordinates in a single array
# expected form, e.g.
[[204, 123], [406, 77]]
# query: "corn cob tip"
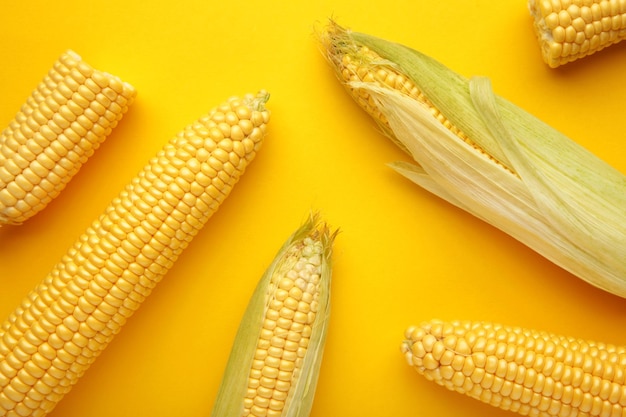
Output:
[[258, 101]]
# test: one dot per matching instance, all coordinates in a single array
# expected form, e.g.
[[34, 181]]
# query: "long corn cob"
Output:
[[60, 328], [489, 157], [572, 29], [527, 371], [277, 353], [61, 124]]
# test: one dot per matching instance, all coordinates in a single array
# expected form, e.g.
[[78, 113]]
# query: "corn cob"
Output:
[[61, 124], [526, 371], [60, 328], [568, 30], [490, 158], [273, 367]]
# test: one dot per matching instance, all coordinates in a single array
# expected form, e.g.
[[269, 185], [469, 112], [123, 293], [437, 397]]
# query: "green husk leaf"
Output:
[[229, 400]]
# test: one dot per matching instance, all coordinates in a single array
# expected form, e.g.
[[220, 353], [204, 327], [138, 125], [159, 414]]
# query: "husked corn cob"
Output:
[[275, 360], [527, 371], [572, 29], [60, 328], [65, 119]]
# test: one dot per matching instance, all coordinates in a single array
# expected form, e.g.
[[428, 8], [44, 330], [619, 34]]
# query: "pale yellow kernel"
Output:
[[457, 362], [260, 401], [303, 306], [302, 317], [257, 118], [257, 365], [290, 303], [237, 133], [225, 128], [12, 394], [6, 198], [284, 376], [248, 143], [283, 324], [458, 379], [282, 294], [242, 112], [246, 127], [269, 372], [285, 284], [271, 362], [275, 351], [258, 411], [276, 405]]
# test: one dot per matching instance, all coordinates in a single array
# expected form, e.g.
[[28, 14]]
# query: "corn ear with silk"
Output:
[[276, 356], [489, 157]]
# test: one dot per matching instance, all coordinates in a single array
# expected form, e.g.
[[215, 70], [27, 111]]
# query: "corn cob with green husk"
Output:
[[568, 30], [489, 157], [527, 371], [274, 363]]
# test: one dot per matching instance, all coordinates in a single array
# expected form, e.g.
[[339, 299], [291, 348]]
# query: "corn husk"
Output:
[[528, 179], [229, 401]]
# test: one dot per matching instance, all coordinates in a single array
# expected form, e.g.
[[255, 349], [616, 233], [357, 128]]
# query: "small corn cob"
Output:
[[61, 124], [530, 372], [489, 157], [274, 363], [572, 29], [60, 328]]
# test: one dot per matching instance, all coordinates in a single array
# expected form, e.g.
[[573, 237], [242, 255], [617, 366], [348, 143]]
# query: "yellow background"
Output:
[[403, 255]]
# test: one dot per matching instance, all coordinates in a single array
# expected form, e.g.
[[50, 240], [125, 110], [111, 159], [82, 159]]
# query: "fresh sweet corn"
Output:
[[568, 30], [65, 119], [490, 158], [60, 328], [274, 363], [531, 372]]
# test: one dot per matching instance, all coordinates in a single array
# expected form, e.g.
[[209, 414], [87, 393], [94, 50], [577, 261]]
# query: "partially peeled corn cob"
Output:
[[572, 29], [489, 157], [60, 328], [274, 363], [530, 372], [62, 123]]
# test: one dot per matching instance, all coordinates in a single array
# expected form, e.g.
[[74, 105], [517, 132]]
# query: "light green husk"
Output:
[[555, 197], [229, 401]]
